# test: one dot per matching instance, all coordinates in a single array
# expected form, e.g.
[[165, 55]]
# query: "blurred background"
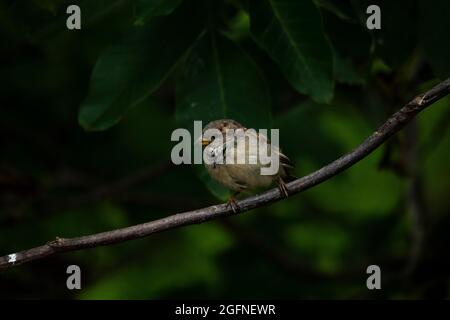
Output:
[[69, 167]]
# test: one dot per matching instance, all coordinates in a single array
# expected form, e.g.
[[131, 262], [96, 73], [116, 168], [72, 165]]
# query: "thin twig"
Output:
[[391, 126]]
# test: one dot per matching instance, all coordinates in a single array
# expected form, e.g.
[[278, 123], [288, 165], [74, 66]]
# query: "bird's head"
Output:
[[222, 125]]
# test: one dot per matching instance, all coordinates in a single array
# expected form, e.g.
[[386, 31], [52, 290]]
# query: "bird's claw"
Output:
[[233, 205], [283, 188]]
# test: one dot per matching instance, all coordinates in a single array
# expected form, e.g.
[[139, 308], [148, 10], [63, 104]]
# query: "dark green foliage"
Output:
[[220, 81], [126, 74], [139, 69], [292, 34]]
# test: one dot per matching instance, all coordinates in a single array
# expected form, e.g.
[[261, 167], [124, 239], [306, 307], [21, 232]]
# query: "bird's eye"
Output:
[[212, 138]]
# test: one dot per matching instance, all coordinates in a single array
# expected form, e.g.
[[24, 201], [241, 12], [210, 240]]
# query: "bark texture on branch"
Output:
[[392, 125]]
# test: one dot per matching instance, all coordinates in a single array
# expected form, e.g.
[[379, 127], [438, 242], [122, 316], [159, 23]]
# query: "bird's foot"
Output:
[[233, 204], [283, 187]]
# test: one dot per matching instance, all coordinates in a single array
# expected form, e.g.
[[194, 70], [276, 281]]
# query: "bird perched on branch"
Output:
[[240, 177]]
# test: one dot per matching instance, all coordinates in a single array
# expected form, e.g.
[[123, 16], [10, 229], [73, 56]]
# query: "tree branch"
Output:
[[391, 126]]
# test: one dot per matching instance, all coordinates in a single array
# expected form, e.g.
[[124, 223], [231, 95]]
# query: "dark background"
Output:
[[59, 179]]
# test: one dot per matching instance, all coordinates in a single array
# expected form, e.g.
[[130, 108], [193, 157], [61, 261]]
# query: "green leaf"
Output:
[[292, 33], [127, 73], [434, 28], [220, 81], [146, 9]]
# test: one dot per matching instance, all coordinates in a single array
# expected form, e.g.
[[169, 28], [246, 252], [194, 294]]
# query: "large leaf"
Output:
[[291, 32], [146, 9], [129, 72], [220, 81]]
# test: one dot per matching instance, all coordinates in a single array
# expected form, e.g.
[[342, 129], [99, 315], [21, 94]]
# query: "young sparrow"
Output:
[[242, 177]]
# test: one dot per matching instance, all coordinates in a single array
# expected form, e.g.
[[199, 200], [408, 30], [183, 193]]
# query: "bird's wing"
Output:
[[251, 155], [284, 160]]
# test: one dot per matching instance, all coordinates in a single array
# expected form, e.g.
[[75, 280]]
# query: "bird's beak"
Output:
[[205, 142]]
